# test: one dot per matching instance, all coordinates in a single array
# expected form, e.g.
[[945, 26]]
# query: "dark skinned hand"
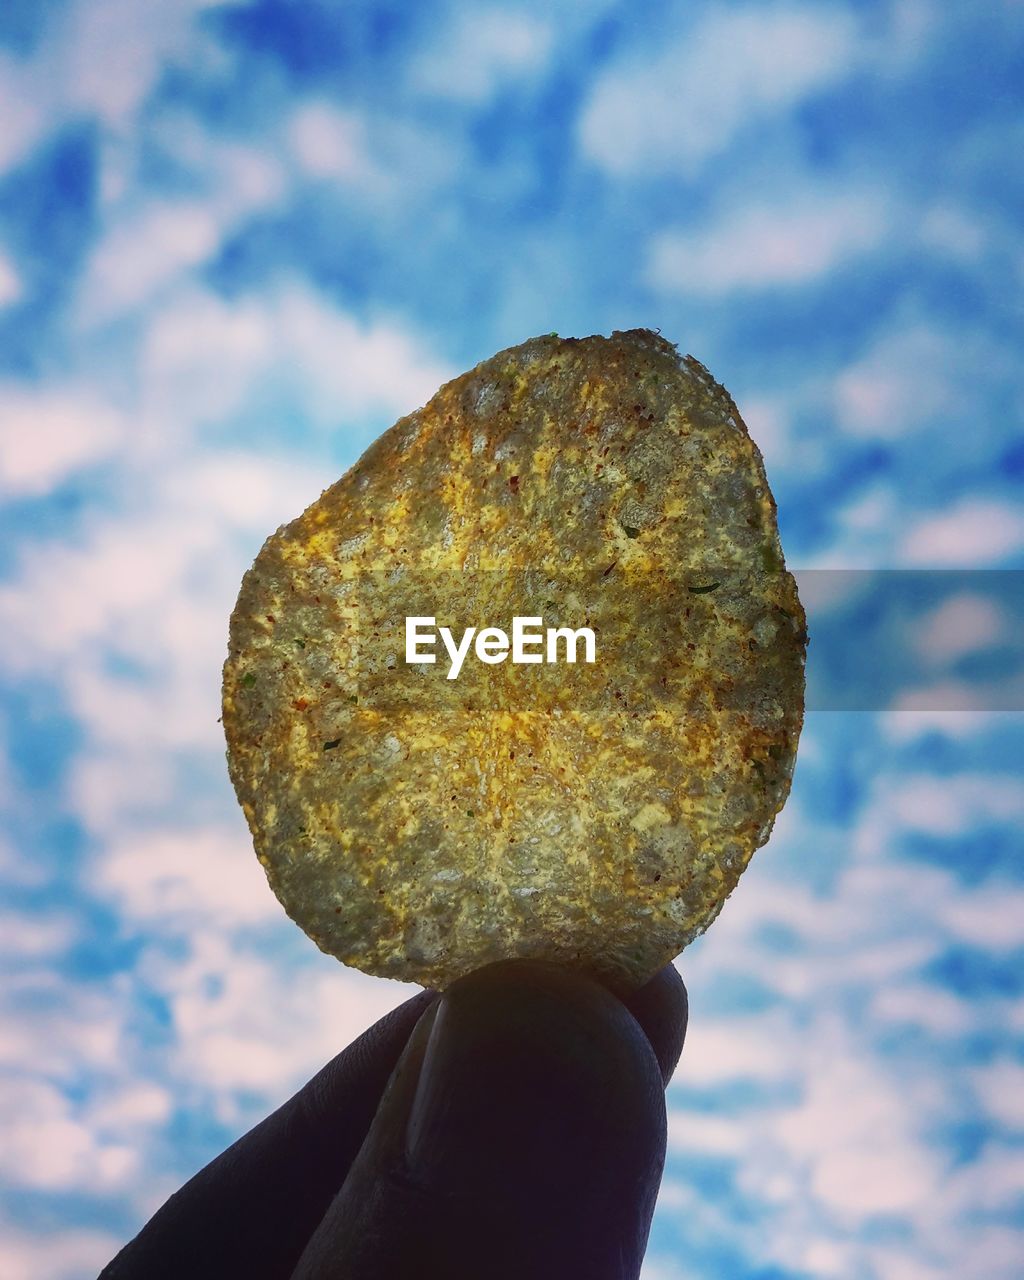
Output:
[[513, 1127]]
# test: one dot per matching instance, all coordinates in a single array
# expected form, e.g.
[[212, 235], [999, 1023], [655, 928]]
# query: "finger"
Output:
[[522, 1134], [662, 1009], [239, 1208], [252, 1210]]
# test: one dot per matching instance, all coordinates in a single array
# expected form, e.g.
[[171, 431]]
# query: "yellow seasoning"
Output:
[[582, 532]]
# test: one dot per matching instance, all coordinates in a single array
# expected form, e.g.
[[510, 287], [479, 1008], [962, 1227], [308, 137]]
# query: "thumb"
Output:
[[522, 1134]]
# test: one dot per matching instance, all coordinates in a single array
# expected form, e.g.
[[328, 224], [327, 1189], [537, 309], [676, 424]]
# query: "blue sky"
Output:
[[236, 242]]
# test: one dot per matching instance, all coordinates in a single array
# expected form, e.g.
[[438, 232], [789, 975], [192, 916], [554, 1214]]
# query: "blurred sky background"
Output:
[[236, 242]]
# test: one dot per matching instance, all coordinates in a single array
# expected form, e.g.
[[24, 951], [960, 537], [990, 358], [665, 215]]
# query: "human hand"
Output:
[[512, 1127]]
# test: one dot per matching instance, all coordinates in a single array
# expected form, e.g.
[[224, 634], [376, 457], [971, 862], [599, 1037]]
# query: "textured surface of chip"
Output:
[[591, 814]]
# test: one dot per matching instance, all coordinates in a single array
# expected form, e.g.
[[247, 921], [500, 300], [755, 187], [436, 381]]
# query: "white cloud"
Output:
[[113, 52], [914, 375], [154, 582], [918, 1004], [20, 110], [149, 250], [989, 1250], [975, 532], [110, 786], [326, 142], [131, 624], [853, 1128], [203, 358], [46, 436], [736, 68], [862, 930], [10, 282], [483, 50], [903, 1264], [991, 917], [751, 1048], [102, 59], [851, 1148], [72, 1028], [695, 1131], [15, 869], [150, 245], [902, 382], [237, 177], [933, 717], [1001, 1089], [37, 935], [110, 53], [196, 877], [67, 1255], [953, 230], [866, 518], [824, 590], [350, 368], [995, 1181], [66, 596], [856, 1144], [871, 1176], [655, 1268], [244, 1023], [765, 245], [960, 625], [244, 491], [941, 705], [951, 806], [131, 1105], [47, 1147], [827, 1257], [884, 920]]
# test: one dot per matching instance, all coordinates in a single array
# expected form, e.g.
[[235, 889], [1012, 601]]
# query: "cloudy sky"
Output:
[[237, 240]]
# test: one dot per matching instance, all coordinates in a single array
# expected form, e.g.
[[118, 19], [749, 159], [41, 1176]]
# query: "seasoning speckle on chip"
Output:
[[592, 804]]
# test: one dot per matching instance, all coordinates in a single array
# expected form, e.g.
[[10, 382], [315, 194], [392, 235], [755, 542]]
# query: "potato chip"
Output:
[[595, 813]]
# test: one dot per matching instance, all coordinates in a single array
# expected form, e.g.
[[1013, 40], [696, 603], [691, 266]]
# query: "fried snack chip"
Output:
[[593, 813]]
